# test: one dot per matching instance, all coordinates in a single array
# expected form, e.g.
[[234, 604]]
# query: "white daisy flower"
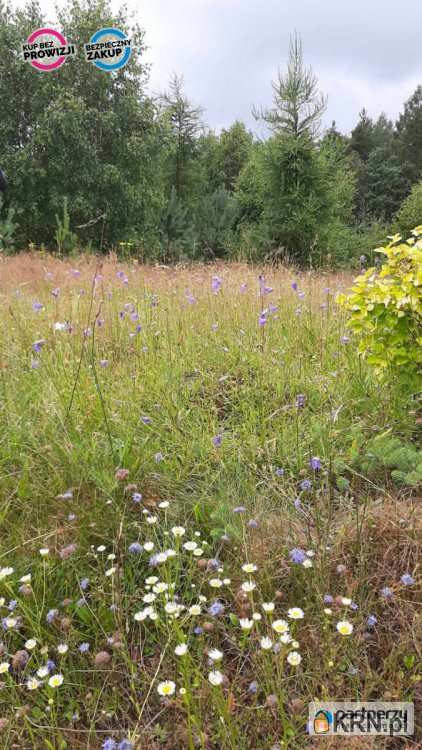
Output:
[[215, 678]]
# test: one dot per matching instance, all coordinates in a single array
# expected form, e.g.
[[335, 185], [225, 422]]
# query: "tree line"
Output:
[[95, 161]]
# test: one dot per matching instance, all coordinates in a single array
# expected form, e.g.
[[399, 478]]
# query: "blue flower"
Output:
[[386, 592], [51, 615], [136, 497], [297, 555], [371, 621], [216, 609], [407, 579], [135, 548], [315, 463], [253, 687], [109, 744], [328, 599], [125, 745], [84, 584], [306, 485], [217, 440], [239, 509], [279, 472], [84, 648]]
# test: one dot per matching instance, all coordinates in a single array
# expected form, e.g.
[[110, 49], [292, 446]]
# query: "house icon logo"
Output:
[[322, 722]]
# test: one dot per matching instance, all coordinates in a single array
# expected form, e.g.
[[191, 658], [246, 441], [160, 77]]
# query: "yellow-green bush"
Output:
[[385, 308]]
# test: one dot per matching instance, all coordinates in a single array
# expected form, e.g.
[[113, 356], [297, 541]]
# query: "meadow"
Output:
[[199, 533]]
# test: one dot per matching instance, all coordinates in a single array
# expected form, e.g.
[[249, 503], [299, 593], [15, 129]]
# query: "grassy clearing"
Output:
[[160, 429]]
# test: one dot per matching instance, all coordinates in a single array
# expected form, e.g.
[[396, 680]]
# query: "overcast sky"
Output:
[[366, 53]]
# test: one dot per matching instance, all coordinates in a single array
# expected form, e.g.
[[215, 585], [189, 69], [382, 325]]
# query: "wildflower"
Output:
[[110, 572], [149, 546], [33, 683], [300, 401], [84, 648], [121, 474], [4, 572], [25, 579], [166, 688], [216, 284], [306, 485], [266, 643], [30, 644], [344, 627], [315, 463], [280, 626], [135, 548], [386, 592], [328, 599], [43, 672], [297, 555], [245, 623], [279, 472], [136, 497], [371, 621], [308, 563], [190, 546], [158, 458], [253, 524], [178, 531], [253, 687], [4, 667], [345, 340], [268, 606], [345, 601], [62, 649], [294, 658], [215, 583], [217, 440], [44, 551], [56, 680], [151, 520], [215, 678], [249, 568], [216, 609], [256, 617], [164, 504], [195, 610], [295, 613], [84, 584], [407, 579], [38, 345], [215, 655], [125, 745], [109, 744], [160, 588], [248, 586], [181, 649]]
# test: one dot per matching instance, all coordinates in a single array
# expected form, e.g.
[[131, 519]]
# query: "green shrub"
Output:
[[385, 308], [409, 215]]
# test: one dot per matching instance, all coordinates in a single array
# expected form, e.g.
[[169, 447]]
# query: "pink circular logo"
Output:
[[46, 49]]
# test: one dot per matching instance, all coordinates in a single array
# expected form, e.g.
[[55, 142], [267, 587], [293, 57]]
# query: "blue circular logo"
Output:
[[109, 49]]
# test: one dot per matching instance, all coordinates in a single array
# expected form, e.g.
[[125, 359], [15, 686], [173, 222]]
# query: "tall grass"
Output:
[[220, 400]]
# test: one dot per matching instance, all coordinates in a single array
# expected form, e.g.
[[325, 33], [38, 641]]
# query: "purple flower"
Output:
[[55, 292], [216, 284], [297, 555], [216, 609], [146, 420], [300, 401], [37, 306], [109, 744], [135, 548], [262, 319], [136, 497], [297, 503], [243, 287], [84, 584], [217, 440], [253, 687], [214, 564], [190, 298], [253, 524], [38, 345], [214, 326], [104, 362], [84, 648], [407, 579], [294, 286], [306, 485], [345, 339], [51, 665], [328, 599], [198, 630], [35, 363], [371, 621], [354, 606], [12, 605], [125, 745], [100, 322], [279, 472], [239, 509], [51, 615], [386, 592], [315, 463], [158, 458]]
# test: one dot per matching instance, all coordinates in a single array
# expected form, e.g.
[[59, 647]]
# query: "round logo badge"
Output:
[[109, 49], [46, 49]]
